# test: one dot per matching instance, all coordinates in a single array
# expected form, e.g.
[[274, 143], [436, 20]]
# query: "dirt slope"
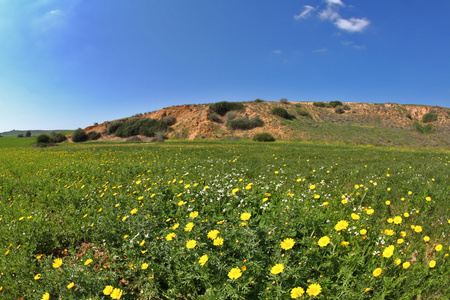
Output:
[[193, 121]]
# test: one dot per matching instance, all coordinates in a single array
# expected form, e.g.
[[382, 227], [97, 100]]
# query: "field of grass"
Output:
[[223, 220], [14, 141]]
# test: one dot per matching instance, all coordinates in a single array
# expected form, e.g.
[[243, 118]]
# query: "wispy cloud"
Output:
[[307, 9], [277, 51], [353, 45], [352, 24], [53, 19], [331, 13], [320, 50], [337, 2]]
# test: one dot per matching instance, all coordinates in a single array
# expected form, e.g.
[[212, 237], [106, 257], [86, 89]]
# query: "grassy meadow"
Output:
[[223, 220]]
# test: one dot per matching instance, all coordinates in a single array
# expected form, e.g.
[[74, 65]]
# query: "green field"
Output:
[[223, 220]]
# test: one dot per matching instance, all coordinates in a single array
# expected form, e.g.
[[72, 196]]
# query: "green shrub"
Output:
[[79, 136], [429, 117], [245, 123], [258, 101], [143, 126], [112, 127], [223, 107], [59, 138], [339, 110], [169, 120], [335, 103], [284, 100], [43, 139], [230, 115], [427, 129], [408, 115], [347, 107], [281, 112], [303, 113], [20, 135], [214, 117], [263, 137], [93, 135], [320, 104]]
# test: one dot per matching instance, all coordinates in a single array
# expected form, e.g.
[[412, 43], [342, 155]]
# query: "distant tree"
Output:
[[28, 134], [79, 136], [20, 135]]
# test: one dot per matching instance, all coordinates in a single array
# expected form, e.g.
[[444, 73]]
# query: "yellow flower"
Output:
[[363, 231], [191, 244], [314, 289], [341, 225], [108, 290], [406, 214], [388, 251], [277, 269], [70, 285], [355, 216], [287, 244], [389, 232], [406, 265], [142, 243], [402, 233], [116, 294], [133, 211], [377, 272], [432, 263], [390, 220], [439, 247], [235, 273], [400, 241], [323, 241], [367, 290], [46, 296], [218, 241], [344, 243], [144, 266], [170, 236], [426, 238], [37, 277], [203, 260], [297, 292], [245, 216], [428, 198], [213, 234], [138, 182], [87, 262], [57, 263], [370, 211], [388, 202], [175, 226], [397, 261], [193, 214], [189, 226], [181, 203], [312, 187], [39, 256], [418, 229], [397, 220]]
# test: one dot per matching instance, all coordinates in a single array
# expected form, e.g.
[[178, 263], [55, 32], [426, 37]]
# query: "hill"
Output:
[[34, 133], [350, 123]]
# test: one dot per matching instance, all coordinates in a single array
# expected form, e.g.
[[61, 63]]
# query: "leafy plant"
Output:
[[79, 136], [429, 117], [93, 135], [263, 137], [245, 123], [223, 107], [283, 113], [169, 120], [112, 127], [142, 126], [335, 103]]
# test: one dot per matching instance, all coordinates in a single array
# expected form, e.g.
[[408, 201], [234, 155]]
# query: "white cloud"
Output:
[[277, 51], [329, 14], [352, 24], [305, 13], [53, 19], [337, 2], [353, 45], [321, 50]]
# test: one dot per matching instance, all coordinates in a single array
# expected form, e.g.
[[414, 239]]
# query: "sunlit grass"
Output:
[[212, 220]]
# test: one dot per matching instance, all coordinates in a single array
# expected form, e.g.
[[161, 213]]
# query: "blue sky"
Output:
[[66, 64]]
